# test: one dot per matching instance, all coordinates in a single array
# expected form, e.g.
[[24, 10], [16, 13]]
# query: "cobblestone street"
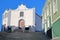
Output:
[[23, 36]]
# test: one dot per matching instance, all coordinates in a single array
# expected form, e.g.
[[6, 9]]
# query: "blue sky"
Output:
[[13, 4]]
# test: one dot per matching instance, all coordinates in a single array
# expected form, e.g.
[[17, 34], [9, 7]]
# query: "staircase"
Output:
[[18, 35]]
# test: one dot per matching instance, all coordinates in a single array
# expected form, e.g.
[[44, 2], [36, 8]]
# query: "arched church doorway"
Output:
[[4, 27], [21, 23]]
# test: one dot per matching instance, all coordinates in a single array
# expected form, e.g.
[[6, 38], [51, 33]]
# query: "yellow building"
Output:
[[51, 18]]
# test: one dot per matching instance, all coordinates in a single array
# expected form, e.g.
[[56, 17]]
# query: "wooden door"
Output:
[[21, 23]]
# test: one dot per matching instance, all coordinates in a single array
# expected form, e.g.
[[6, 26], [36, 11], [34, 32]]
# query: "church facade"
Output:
[[22, 17]]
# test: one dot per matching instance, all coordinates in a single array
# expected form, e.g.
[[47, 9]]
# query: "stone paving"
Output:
[[23, 36]]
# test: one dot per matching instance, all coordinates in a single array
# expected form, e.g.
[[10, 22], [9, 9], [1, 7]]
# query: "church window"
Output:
[[21, 14]]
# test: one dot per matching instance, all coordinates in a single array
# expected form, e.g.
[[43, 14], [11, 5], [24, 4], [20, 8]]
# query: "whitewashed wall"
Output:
[[5, 19], [28, 17], [14, 17]]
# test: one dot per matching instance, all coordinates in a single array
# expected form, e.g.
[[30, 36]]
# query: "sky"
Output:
[[13, 4]]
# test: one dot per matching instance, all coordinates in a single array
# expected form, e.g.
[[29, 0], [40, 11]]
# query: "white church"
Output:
[[22, 17]]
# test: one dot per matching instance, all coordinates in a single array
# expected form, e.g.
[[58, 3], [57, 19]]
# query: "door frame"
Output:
[[20, 21]]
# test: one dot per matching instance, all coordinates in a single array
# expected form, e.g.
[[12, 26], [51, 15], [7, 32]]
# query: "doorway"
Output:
[[21, 23], [4, 27]]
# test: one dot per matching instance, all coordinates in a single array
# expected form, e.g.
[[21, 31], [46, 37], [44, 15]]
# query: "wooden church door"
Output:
[[21, 23]]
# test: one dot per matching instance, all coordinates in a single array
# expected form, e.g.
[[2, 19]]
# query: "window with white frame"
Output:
[[45, 28], [48, 23], [47, 9], [50, 8], [42, 19], [51, 12], [45, 13], [55, 9]]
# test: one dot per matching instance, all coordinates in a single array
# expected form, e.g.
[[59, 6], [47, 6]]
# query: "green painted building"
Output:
[[51, 18]]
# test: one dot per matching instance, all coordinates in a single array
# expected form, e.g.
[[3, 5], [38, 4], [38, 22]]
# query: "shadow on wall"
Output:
[[38, 23]]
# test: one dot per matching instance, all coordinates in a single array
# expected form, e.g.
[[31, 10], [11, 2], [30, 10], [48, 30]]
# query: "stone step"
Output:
[[23, 36]]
